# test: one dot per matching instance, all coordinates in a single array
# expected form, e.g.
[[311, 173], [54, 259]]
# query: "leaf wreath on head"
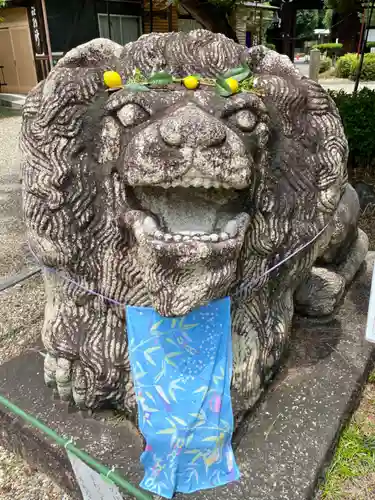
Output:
[[235, 80]]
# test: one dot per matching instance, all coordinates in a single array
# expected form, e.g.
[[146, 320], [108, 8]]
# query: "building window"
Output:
[[124, 29]]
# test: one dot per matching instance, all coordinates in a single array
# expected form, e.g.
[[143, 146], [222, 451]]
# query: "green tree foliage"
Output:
[[307, 21], [327, 19]]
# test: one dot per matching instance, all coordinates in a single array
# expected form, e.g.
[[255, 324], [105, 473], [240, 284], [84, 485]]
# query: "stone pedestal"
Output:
[[282, 450]]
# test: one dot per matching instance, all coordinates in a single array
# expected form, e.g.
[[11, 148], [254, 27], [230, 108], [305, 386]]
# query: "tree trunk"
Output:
[[347, 27], [210, 16]]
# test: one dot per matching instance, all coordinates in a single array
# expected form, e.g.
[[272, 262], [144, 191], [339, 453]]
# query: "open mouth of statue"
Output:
[[209, 214]]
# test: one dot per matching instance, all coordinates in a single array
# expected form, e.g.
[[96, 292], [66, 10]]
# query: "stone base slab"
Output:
[[283, 447]]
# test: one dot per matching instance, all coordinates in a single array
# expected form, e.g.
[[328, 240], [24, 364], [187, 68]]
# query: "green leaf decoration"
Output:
[[171, 363], [189, 327], [173, 354], [189, 440], [156, 325], [149, 358], [170, 341], [171, 430], [203, 388], [223, 88], [136, 87], [160, 78], [197, 457], [171, 422], [239, 74], [211, 438], [153, 349], [186, 337], [149, 395], [180, 421]]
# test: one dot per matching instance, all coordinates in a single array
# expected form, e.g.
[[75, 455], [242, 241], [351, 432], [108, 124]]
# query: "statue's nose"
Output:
[[191, 126]]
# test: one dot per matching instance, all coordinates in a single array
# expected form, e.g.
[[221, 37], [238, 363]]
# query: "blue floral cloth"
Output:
[[182, 369]]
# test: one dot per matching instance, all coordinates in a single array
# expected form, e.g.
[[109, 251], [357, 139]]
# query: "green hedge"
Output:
[[358, 116], [325, 64], [270, 46], [346, 66], [330, 49]]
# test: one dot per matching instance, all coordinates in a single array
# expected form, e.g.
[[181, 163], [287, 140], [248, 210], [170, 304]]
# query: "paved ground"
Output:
[[335, 83], [21, 309]]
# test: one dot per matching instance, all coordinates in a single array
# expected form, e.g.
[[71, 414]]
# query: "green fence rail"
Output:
[[68, 445]]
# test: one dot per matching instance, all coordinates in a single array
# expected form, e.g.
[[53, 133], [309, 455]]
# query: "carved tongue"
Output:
[[231, 228], [149, 226]]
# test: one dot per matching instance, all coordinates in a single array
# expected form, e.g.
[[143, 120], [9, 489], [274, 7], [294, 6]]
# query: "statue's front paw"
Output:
[[70, 381], [320, 294], [79, 383]]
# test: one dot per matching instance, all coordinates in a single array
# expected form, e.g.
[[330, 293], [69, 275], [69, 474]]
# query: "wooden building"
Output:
[[36, 33]]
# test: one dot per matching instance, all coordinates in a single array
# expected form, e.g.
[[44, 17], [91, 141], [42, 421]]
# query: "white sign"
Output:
[[93, 485]]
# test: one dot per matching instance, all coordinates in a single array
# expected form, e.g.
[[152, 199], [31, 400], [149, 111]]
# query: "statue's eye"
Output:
[[132, 114], [246, 120]]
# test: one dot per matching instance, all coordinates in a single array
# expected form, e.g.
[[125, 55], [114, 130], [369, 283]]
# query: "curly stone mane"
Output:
[[93, 169]]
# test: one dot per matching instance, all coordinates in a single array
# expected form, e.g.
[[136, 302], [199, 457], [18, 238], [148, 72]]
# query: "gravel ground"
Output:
[[12, 247], [21, 310]]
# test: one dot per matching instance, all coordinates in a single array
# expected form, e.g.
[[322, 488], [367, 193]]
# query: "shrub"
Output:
[[325, 64], [330, 49], [346, 66], [358, 116], [270, 46], [368, 68]]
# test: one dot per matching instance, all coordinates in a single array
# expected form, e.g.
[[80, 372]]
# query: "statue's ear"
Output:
[[98, 53], [269, 62]]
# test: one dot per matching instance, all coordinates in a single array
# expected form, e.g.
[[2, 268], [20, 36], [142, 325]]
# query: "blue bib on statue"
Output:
[[182, 369]]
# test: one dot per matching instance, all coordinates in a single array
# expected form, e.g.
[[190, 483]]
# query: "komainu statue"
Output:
[[172, 197]]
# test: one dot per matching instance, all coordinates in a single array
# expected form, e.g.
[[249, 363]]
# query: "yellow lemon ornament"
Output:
[[191, 82], [233, 84], [112, 79]]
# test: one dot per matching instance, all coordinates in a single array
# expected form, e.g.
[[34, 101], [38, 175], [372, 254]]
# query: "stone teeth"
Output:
[[188, 233], [231, 228], [196, 235], [195, 182]]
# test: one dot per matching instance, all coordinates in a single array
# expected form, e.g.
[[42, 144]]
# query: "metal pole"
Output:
[[359, 70], [361, 34], [46, 29]]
